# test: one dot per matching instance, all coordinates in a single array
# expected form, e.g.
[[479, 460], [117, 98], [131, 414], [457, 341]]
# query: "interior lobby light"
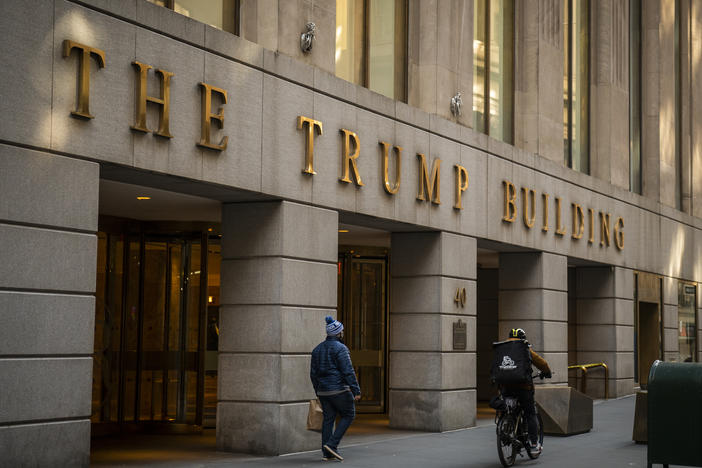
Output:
[[210, 299], [143, 198], [343, 230]]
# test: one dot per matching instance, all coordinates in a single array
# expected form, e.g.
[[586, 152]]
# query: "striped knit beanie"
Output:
[[334, 327]]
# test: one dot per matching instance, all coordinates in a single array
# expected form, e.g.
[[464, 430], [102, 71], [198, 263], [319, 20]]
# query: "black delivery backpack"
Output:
[[511, 363]]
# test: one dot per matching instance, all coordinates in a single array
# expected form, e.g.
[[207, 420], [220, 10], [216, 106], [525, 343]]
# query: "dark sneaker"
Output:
[[325, 458], [334, 453]]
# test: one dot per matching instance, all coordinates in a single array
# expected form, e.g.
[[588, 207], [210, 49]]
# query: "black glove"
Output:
[[546, 375]]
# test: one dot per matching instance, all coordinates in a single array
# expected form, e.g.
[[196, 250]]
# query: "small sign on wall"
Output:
[[460, 335]]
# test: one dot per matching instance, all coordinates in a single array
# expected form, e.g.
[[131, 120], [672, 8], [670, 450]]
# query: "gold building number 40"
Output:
[[460, 297]]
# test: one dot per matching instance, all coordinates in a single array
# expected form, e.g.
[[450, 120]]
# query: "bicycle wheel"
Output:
[[506, 441], [540, 432]]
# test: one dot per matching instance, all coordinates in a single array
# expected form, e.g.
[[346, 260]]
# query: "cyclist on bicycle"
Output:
[[524, 392]]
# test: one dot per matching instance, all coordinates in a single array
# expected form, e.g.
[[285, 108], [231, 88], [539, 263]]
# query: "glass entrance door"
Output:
[[149, 340], [363, 311]]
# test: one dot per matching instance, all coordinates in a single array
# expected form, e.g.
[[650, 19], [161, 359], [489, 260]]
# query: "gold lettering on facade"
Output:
[[348, 158], [510, 211], [207, 116], [578, 221], [560, 230], [309, 141], [433, 186], [544, 196], [143, 98], [83, 107], [526, 202], [391, 189], [604, 228], [461, 185], [619, 233]]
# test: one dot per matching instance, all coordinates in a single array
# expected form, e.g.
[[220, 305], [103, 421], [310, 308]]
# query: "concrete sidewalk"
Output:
[[609, 444]]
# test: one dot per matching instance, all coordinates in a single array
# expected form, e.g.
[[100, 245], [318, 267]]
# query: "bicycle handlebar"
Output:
[[542, 376]]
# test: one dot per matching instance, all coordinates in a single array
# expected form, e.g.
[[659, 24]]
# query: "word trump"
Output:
[[351, 150], [579, 220]]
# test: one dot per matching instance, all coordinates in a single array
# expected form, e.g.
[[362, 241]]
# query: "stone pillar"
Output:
[[605, 327], [278, 281], [696, 107], [667, 112], [432, 385], [278, 24], [670, 319], [533, 295], [650, 103], [538, 78], [48, 222], [440, 56], [609, 49]]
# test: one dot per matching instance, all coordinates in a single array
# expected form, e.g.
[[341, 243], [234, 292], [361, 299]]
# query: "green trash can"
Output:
[[675, 413]]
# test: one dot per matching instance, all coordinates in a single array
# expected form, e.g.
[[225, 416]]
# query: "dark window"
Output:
[[576, 84], [221, 14], [371, 45], [493, 68]]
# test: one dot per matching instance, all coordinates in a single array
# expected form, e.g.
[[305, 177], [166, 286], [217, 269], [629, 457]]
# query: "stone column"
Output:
[[650, 102], [440, 56], [538, 78], [533, 295], [48, 221], [432, 385], [609, 148], [605, 327], [696, 107], [278, 281], [278, 24], [667, 110]]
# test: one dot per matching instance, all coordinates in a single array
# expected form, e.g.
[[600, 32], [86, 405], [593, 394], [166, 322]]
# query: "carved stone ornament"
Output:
[[456, 103], [307, 37]]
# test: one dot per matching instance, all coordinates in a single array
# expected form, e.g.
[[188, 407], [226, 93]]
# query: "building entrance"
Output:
[[362, 297], [648, 325], [151, 329]]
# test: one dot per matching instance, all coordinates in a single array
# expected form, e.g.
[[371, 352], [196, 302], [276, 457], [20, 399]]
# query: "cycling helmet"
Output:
[[517, 333]]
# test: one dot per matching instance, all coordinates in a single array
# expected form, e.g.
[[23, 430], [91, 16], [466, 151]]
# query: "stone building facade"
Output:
[[294, 180]]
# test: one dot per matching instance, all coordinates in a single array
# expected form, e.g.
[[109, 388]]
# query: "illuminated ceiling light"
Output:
[[143, 198], [343, 230]]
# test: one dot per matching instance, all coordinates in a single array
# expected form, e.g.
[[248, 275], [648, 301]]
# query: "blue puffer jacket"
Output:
[[331, 369]]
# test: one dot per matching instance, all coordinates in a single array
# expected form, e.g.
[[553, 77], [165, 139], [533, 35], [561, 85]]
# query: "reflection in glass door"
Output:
[[363, 310], [149, 347]]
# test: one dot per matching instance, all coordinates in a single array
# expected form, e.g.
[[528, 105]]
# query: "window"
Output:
[[576, 84], [371, 45], [221, 14], [635, 181], [493, 67], [687, 328]]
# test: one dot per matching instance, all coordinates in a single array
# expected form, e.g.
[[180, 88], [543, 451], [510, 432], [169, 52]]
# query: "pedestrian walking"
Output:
[[336, 386]]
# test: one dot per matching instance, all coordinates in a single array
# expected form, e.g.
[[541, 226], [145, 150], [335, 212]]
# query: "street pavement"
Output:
[[608, 444]]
